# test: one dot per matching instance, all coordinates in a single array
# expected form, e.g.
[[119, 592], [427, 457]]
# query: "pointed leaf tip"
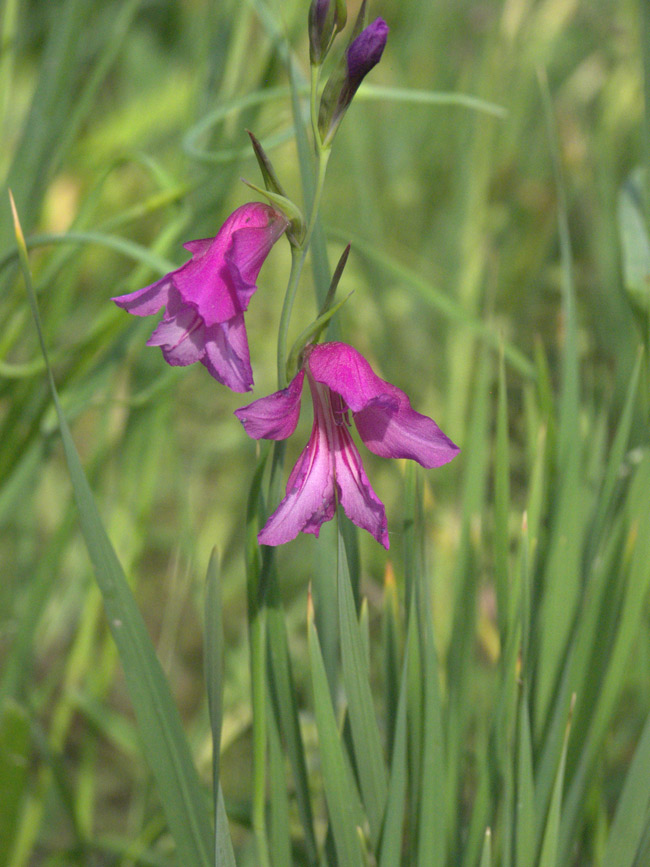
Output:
[[20, 238]]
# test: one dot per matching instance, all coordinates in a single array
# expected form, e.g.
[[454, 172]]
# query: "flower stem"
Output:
[[298, 256]]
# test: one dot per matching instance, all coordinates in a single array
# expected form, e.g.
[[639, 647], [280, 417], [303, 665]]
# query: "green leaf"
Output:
[[213, 662], [525, 818], [164, 743], [365, 733], [428, 97], [391, 840], [635, 586], [284, 692], [224, 856], [486, 855], [343, 802], [631, 815], [15, 748], [548, 856], [279, 834], [432, 809], [502, 509], [635, 244]]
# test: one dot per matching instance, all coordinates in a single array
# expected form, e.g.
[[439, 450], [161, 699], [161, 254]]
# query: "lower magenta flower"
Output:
[[205, 298], [329, 470]]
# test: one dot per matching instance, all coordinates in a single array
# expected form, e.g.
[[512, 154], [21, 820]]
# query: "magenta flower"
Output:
[[329, 470], [205, 298]]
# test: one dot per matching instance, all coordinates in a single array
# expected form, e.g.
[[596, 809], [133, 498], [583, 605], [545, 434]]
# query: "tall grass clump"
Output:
[[453, 195]]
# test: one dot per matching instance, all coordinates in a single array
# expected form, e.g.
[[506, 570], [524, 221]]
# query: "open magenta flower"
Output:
[[329, 470], [205, 298]]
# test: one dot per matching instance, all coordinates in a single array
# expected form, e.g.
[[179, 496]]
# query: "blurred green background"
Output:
[[452, 214]]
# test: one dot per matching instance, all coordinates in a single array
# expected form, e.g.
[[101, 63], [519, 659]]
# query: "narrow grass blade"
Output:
[[391, 840], [460, 654], [502, 509], [15, 748], [255, 579], [213, 662], [616, 455], [562, 576], [525, 816], [631, 817], [548, 856], [163, 741], [391, 647], [112, 242], [481, 808], [486, 855], [224, 856], [636, 584], [279, 834], [283, 694], [432, 808], [429, 97], [365, 733], [343, 802]]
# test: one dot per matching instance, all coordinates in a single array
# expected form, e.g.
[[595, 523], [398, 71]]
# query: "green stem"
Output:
[[298, 256]]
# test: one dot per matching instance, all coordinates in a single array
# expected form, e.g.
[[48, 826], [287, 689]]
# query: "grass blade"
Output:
[[213, 656], [432, 826], [631, 815], [486, 856], [343, 802], [15, 748], [365, 733], [548, 856], [502, 509], [279, 834], [391, 841], [525, 817], [163, 741]]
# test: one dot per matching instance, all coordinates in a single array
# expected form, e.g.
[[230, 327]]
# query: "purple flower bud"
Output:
[[326, 19], [362, 54]]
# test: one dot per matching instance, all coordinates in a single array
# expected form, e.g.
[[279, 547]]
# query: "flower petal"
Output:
[[274, 417], [146, 301], [227, 357], [250, 247], [181, 337], [404, 434], [360, 503], [198, 248], [346, 371], [309, 501], [383, 414], [220, 280]]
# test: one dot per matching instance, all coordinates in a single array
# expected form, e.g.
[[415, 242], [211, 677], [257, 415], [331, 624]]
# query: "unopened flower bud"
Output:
[[326, 19], [362, 54]]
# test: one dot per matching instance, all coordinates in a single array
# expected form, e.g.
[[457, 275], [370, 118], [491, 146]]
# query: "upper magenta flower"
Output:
[[329, 470], [205, 298]]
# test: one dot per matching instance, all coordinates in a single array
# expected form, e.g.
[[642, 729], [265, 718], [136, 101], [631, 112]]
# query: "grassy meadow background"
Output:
[[476, 236]]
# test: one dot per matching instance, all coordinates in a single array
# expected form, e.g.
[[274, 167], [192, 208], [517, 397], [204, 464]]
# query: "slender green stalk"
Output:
[[298, 256]]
